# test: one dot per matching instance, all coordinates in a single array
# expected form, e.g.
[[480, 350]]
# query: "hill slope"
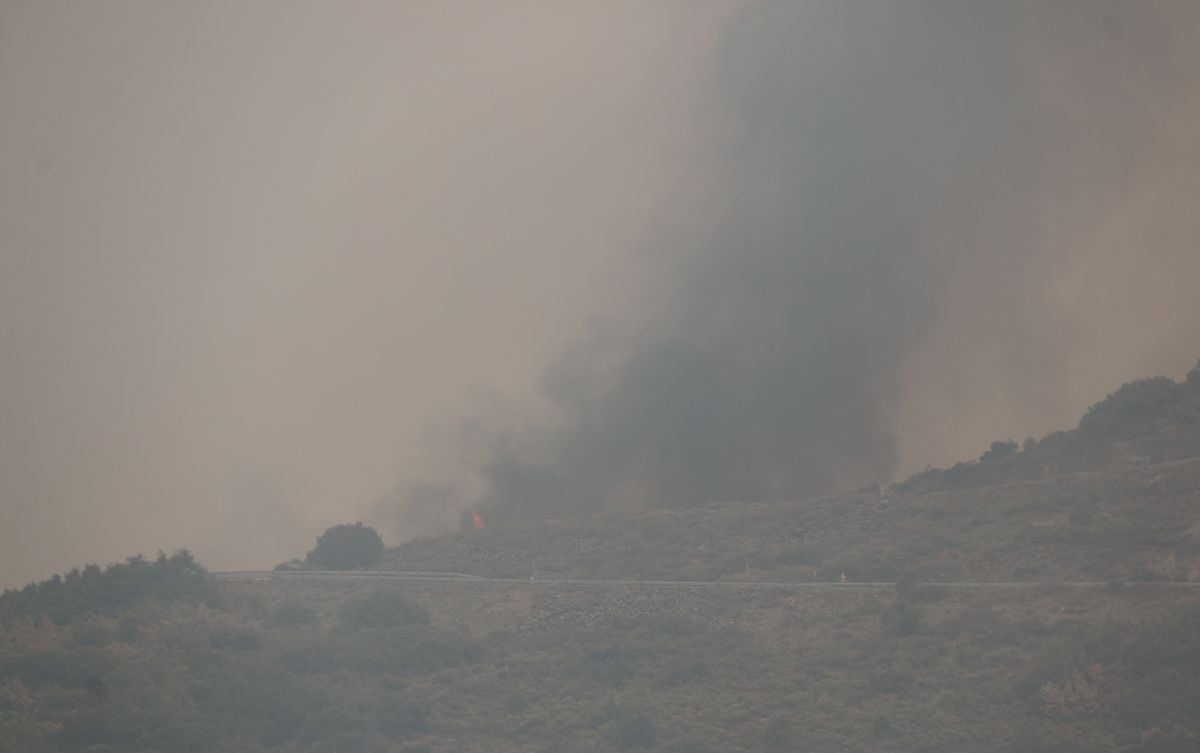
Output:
[[154, 656], [1117, 498]]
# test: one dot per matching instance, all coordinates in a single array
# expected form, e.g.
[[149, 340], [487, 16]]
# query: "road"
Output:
[[437, 577]]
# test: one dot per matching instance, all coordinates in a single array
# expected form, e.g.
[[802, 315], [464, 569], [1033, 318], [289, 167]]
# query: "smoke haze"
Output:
[[255, 260], [884, 266]]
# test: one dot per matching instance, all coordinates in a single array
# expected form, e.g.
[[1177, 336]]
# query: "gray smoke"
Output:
[[253, 255], [860, 137]]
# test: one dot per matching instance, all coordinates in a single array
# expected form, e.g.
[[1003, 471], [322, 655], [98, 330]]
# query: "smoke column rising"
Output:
[[903, 188]]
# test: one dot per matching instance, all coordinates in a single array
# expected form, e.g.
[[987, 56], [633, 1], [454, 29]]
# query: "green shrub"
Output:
[[382, 609], [234, 639], [403, 719], [631, 730], [292, 613], [901, 618]]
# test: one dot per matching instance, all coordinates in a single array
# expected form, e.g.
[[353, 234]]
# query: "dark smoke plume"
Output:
[[861, 136]]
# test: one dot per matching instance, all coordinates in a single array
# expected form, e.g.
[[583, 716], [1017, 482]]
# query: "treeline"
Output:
[[67, 599], [1145, 421]]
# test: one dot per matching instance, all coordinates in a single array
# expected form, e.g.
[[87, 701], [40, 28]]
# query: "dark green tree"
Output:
[[346, 547]]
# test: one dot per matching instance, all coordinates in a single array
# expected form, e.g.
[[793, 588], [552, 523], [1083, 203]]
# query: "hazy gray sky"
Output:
[[269, 266]]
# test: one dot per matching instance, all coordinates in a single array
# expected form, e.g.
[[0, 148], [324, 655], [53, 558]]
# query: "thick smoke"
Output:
[[252, 256], [884, 167]]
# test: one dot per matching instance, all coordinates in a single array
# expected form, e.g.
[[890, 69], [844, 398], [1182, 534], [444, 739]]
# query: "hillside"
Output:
[[1141, 523], [154, 655], [1117, 498]]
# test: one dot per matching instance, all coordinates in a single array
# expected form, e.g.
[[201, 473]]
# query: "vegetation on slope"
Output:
[[1145, 422], [1116, 499], [1139, 524], [153, 656], [70, 598], [307, 667]]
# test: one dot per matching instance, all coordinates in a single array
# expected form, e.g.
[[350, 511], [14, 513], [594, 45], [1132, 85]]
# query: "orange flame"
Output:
[[476, 521]]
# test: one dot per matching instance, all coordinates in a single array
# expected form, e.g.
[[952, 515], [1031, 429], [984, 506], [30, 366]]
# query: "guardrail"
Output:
[[441, 577]]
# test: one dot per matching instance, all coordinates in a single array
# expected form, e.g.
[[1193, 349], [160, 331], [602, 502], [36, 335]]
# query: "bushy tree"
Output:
[[999, 449], [346, 547]]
